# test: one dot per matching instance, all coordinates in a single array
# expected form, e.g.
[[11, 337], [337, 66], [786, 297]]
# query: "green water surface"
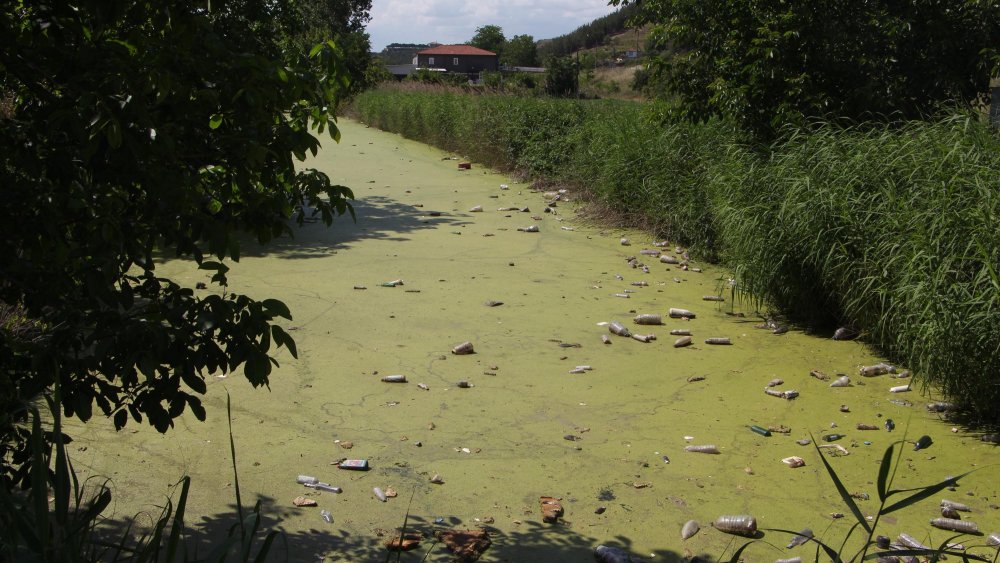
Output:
[[633, 411]]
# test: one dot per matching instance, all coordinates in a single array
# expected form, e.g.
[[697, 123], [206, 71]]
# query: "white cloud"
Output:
[[455, 21]]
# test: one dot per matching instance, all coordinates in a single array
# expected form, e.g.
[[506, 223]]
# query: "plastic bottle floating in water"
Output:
[[327, 517]]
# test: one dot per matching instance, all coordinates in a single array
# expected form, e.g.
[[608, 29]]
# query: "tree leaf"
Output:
[[215, 121], [277, 308], [883, 473], [282, 338]]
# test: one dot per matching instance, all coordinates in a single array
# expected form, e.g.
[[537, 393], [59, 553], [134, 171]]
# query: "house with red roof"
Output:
[[464, 59]]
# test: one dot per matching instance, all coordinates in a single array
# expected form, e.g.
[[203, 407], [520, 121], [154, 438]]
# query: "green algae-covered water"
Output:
[[612, 437]]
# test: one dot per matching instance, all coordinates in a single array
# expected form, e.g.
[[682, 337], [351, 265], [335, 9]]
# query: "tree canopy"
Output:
[[130, 133], [489, 37], [520, 50], [770, 63]]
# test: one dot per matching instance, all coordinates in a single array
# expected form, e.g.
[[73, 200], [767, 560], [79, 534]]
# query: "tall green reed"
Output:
[[889, 230]]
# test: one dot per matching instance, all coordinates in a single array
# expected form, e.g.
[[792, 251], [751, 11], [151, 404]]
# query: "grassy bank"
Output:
[[892, 232]]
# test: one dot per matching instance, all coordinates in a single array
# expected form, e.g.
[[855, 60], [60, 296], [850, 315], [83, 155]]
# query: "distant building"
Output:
[[463, 59]]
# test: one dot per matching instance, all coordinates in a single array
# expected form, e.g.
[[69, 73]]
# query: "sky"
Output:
[[455, 21]]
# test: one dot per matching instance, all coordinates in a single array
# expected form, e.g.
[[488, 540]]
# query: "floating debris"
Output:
[[794, 461], [303, 501], [844, 333], [618, 328], [955, 505], [922, 443], [742, 525], [705, 449], [551, 509], [648, 319], [682, 342], [800, 538], [877, 369], [676, 313], [718, 341], [466, 545], [689, 529], [463, 349], [819, 375], [408, 542]]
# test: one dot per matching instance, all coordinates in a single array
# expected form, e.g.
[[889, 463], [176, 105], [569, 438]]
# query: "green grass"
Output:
[[890, 230]]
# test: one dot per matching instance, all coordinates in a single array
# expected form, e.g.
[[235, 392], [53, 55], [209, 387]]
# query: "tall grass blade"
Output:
[[736, 555], [177, 526], [883, 473], [921, 494], [236, 475], [844, 494], [830, 552], [265, 548]]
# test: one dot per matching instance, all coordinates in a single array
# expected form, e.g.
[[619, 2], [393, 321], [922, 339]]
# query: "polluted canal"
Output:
[[479, 362]]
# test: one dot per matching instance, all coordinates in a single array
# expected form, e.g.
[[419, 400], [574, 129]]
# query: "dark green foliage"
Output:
[[892, 231], [589, 35], [133, 133], [520, 50], [401, 53], [562, 78], [886, 476], [489, 37], [343, 22], [766, 64]]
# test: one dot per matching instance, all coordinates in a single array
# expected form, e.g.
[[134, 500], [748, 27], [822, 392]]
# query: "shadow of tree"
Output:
[[378, 217], [532, 541]]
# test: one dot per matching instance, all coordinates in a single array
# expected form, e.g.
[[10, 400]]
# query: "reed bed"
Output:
[[890, 230]]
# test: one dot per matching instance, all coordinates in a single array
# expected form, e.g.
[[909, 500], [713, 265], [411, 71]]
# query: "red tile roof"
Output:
[[456, 50]]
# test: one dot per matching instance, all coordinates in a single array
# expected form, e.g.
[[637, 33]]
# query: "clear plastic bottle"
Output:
[[325, 514]]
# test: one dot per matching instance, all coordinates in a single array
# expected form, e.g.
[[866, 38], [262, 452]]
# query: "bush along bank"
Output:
[[890, 231]]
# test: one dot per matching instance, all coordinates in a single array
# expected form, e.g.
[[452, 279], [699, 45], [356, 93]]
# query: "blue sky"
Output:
[[455, 21]]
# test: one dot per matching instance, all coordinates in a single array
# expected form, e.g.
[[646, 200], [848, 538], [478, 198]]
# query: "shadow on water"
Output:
[[378, 218], [532, 541]]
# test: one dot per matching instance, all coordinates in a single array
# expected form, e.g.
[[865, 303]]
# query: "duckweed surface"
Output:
[[612, 436]]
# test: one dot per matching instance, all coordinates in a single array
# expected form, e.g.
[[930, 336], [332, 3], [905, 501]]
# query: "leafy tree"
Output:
[[343, 21], [769, 63], [520, 50], [561, 78], [489, 37], [130, 133], [589, 35]]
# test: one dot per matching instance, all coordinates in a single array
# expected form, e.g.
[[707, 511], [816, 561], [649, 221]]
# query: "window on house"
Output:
[[454, 61], [430, 61]]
